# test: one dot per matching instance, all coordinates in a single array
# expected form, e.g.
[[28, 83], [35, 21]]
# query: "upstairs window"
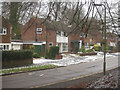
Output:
[[39, 31], [81, 34], [112, 39], [59, 33], [65, 34], [65, 47], [104, 37], [3, 31]]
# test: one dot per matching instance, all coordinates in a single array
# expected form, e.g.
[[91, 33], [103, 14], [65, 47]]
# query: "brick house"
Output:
[[53, 34], [79, 38], [75, 41], [5, 35], [112, 39], [37, 34], [95, 37]]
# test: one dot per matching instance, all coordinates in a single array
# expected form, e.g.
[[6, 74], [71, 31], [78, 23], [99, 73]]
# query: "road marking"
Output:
[[41, 75], [66, 80], [75, 78]]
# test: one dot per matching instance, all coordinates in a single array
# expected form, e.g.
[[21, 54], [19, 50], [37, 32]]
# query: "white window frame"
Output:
[[39, 30], [65, 34], [4, 31], [51, 44], [6, 47], [59, 33], [112, 39], [81, 34]]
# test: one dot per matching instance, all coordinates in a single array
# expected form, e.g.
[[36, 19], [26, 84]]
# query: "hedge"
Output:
[[84, 54], [54, 50], [16, 58], [16, 54]]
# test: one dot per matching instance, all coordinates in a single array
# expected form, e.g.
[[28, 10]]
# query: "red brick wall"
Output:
[[6, 38], [29, 34], [51, 37]]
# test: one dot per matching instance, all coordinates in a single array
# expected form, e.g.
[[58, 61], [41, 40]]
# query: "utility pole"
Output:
[[104, 67], [104, 63]]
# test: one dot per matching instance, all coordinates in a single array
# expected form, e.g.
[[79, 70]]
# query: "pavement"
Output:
[[39, 79]]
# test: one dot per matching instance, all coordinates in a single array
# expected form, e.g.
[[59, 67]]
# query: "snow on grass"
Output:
[[69, 59]]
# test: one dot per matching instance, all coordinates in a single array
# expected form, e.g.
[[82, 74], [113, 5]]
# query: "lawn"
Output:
[[25, 69]]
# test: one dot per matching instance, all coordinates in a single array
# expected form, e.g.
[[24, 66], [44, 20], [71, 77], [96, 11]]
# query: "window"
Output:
[[39, 30], [81, 34], [86, 43], [3, 31], [65, 47], [1, 47], [50, 44], [4, 47], [112, 38], [65, 34], [59, 33], [104, 37]]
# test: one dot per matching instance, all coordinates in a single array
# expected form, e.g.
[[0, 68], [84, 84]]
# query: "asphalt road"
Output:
[[48, 77]]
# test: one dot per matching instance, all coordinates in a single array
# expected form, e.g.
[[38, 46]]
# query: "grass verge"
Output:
[[25, 69]]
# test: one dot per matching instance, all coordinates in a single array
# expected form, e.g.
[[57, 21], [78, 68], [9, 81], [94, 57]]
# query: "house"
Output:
[[55, 33], [75, 41], [42, 36], [5, 35], [95, 37], [112, 39]]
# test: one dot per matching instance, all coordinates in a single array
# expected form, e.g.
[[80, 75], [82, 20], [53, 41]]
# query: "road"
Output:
[[47, 77]]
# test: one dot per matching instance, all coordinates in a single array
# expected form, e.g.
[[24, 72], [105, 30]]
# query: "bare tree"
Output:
[[70, 12]]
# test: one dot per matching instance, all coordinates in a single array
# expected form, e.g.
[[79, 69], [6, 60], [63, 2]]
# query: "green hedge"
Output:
[[17, 54], [83, 49], [15, 58], [54, 50]]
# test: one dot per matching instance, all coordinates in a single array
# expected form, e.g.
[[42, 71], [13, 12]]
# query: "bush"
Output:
[[16, 54], [36, 55], [89, 51], [97, 48], [32, 47], [16, 58], [83, 49], [52, 53]]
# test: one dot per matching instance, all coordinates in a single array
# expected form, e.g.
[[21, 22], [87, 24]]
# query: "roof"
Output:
[[53, 25], [109, 34], [5, 20]]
